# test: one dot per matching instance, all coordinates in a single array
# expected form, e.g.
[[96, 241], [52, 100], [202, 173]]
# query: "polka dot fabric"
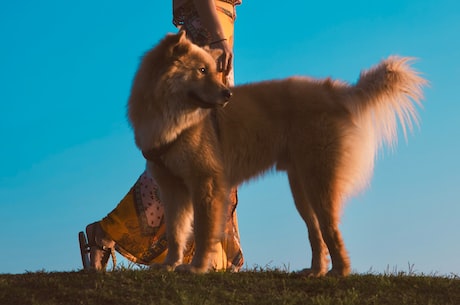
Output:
[[153, 208]]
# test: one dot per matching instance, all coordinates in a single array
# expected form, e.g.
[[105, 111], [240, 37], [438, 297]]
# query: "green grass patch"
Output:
[[250, 287]]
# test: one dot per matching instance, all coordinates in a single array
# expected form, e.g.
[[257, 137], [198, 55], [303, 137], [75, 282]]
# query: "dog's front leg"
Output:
[[209, 203], [178, 216]]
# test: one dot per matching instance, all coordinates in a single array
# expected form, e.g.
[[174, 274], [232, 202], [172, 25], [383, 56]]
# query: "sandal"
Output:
[[95, 248]]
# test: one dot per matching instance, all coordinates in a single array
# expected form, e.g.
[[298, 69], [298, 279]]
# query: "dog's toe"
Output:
[[187, 268], [308, 272], [161, 267], [336, 272]]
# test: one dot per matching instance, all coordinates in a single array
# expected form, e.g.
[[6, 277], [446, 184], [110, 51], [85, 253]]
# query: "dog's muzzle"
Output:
[[222, 101], [226, 94]]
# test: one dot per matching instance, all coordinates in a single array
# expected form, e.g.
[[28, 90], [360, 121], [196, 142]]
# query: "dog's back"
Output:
[[278, 119]]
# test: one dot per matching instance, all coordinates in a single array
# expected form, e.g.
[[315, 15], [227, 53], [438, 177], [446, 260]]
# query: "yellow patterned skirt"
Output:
[[137, 226]]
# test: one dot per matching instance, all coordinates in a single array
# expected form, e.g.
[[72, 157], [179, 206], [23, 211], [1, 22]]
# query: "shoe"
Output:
[[96, 248], [84, 250]]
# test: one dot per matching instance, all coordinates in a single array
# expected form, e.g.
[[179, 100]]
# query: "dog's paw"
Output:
[[336, 272], [308, 272], [161, 267], [187, 268]]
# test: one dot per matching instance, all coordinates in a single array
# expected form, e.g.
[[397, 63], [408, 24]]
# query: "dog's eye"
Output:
[[203, 70]]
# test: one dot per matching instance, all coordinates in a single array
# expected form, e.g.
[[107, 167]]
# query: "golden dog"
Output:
[[324, 133]]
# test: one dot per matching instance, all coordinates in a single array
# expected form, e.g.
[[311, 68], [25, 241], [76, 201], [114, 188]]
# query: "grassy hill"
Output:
[[265, 287]]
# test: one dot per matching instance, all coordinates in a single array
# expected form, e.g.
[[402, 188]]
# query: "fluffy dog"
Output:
[[324, 133]]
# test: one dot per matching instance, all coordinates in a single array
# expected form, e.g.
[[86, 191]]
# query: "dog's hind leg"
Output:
[[317, 176], [319, 261], [326, 203]]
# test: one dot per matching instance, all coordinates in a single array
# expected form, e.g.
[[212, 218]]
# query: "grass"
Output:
[[250, 287]]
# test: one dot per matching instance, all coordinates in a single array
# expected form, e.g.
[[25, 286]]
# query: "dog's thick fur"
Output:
[[324, 133]]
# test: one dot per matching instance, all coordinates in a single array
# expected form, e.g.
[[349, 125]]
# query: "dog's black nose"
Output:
[[227, 94]]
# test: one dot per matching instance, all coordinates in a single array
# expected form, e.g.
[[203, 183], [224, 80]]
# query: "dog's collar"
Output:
[[154, 154]]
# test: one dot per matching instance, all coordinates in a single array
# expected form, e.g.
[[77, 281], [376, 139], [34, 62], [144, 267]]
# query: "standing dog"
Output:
[[324, 133]]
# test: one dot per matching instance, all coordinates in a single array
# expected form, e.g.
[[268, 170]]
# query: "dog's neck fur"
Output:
[[156, 152], [159, 128]]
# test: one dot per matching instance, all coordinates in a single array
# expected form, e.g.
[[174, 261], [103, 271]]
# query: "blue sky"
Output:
[[67, 153]]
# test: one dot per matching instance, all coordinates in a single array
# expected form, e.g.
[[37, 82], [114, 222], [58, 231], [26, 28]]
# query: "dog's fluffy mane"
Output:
[[157, 124]]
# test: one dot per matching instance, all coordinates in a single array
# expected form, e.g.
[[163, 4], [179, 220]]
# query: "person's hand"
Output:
[[224, 61]]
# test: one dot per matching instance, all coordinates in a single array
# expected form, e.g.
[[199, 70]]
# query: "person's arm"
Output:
[[209, 19]]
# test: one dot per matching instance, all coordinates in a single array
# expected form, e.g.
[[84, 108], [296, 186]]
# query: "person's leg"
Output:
[[230, 256], [135, 228]]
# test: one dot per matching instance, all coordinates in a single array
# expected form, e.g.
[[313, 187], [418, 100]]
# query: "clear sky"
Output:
[[67, 153]]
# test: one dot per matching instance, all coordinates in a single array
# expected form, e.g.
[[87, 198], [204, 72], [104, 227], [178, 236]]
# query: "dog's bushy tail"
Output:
[[386, 93]]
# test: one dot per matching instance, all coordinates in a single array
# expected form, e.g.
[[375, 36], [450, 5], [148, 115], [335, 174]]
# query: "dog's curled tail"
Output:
[[387, 93]]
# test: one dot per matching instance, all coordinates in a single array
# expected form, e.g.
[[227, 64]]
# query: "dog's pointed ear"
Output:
[[215, 53], [181, 44]]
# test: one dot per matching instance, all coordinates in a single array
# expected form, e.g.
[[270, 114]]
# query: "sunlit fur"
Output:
[[325, 134]]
